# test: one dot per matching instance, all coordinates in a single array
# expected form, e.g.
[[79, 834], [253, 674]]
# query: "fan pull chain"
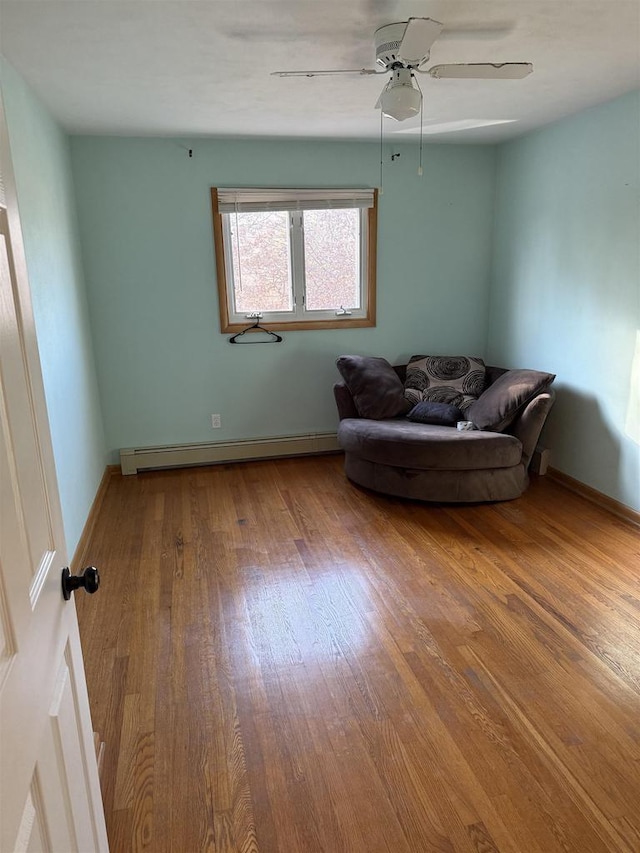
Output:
[[421, 134], [381, 157]]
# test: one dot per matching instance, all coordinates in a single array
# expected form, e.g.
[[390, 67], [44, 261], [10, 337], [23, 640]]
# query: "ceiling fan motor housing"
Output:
[[387, 40]]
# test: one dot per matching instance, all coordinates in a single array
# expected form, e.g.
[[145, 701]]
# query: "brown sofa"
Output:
[[439, 463]]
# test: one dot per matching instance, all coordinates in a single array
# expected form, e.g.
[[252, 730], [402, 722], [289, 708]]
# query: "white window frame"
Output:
[[225, 202]]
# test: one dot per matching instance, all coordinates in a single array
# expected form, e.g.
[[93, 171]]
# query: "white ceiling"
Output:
[[202, 67]]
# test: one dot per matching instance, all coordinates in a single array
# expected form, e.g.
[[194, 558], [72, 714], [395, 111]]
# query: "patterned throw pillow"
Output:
[[454, 379]]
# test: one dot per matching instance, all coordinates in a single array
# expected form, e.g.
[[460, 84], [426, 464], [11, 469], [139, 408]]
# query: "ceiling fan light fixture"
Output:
[[401, 100]]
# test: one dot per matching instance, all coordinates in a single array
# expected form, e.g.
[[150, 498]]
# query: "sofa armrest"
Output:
[[344, 401], [528, 426]]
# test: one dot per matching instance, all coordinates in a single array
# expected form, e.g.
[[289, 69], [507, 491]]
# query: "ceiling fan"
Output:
[[402, 49]]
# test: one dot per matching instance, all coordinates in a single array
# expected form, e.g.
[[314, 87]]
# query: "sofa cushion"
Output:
[[455, 379], [411, 445], [374, 385], [500, 404], [442, 414]]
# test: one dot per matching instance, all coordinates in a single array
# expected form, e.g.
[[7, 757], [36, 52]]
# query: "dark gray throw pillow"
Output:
[[499, 405], [441, 414], [375, 387]]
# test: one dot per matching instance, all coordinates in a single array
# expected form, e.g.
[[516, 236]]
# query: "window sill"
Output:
[[303, 325]]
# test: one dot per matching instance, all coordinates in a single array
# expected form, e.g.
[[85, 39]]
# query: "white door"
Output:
[[49, 790]]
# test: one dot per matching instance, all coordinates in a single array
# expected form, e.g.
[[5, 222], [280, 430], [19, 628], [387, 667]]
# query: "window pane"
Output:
[[261, 263], [332, 259]]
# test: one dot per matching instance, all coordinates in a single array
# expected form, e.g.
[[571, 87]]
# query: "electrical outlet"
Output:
[[216, 422]]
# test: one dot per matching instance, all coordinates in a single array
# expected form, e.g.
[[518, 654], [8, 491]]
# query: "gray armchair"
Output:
[[439, 463]]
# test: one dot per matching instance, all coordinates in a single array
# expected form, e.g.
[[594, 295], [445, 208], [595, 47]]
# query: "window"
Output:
[[300, 259]]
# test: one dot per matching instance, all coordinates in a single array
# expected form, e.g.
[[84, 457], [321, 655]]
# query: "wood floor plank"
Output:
[[280, 662]]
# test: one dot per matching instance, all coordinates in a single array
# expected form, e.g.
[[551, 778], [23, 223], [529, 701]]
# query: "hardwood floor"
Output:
[[279, 662]]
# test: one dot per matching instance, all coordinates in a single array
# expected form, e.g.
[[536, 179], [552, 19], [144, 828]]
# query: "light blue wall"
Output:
[[566, 286], [145, 224], [40, 154]]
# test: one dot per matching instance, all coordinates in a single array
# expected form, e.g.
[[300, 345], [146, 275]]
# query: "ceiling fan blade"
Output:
[[325, 73], [483, 70], [418, 37]]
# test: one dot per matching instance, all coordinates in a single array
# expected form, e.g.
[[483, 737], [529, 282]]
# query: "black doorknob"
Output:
[[89, 579]]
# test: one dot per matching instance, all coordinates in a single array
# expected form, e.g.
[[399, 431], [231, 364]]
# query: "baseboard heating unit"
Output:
[[134, 459]]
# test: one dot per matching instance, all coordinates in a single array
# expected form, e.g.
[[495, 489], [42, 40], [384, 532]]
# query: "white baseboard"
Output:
[[134, 459]]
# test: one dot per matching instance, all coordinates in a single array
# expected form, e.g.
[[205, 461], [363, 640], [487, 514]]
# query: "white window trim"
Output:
[[227, 201]]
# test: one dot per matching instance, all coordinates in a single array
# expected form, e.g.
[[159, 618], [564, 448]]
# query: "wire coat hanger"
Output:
[[276, 339]]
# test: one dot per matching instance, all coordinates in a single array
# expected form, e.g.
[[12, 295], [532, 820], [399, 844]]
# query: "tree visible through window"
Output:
[[261, 262], [332, 258], [297, 258]]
